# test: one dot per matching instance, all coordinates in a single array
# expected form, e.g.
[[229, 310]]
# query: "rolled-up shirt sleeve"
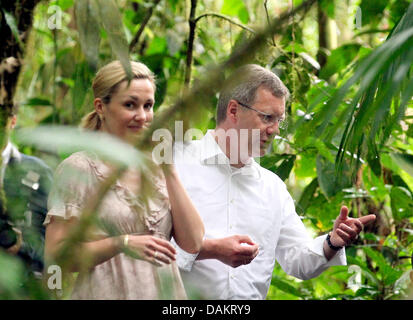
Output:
[[184, 259], [297, 252]]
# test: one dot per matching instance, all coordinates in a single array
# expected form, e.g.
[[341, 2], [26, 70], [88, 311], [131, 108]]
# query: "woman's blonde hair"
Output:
[[106, 83]]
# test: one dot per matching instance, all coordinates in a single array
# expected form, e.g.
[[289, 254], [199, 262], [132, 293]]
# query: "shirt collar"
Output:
[[210, 150], [211, 153], [5, 155], [10, 152]]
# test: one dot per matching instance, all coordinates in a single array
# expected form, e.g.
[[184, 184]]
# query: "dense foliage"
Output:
[[349, 138]]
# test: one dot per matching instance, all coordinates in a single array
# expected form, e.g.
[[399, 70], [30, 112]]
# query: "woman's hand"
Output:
[[149, 248]]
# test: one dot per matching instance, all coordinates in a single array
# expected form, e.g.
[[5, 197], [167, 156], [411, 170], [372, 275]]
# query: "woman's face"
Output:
[[129, 111]]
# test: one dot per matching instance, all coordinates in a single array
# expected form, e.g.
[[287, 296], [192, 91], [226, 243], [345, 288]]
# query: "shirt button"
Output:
[[232, 201]]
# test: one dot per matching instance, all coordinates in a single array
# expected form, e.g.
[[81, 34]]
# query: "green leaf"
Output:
[[367, 72], [12, 273], [405, 161], [269, 161], [69, 140], [87, 21], [158, 46], [65, 4], [285, 286], [235, 8], [307, 197], [328, 7], [111, 21], [38, 101], [373, 158], [284, 169], [371, 276], [82, 85], [11, 22], [372, 10], [401, 203], [173, 4], [331, 183], [339, 59], [305, 165], [388, 273]]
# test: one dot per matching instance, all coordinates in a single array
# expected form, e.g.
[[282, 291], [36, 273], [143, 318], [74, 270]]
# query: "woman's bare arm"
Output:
[[86, 255], [187, 223]]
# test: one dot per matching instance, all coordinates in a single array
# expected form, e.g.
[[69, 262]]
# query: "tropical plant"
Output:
[[348, 138]]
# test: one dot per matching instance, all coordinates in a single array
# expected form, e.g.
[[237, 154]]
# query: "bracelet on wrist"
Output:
[[125, 241], [333, 247]]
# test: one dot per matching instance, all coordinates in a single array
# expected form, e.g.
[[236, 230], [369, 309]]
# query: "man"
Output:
[[26, 182], [249, 216]]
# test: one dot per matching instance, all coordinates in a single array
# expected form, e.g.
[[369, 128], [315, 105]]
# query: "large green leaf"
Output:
[[11, 22], [307, 196], [339, 59], [235, 8], [63, 139], [383, 77], [405, 161], [328, 7], [82, 85], [283, 285], [37, 101], [111, 20], [372, 11], [87, 20], [388, 273], [401, 203], [330, 182], [283, 168], [11, 275]]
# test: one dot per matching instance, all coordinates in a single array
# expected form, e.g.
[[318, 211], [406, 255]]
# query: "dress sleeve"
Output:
[[297, 252], [72, 185]]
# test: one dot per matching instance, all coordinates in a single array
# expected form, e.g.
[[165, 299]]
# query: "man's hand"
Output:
[[346, 230], [234, 250], [14, 249]]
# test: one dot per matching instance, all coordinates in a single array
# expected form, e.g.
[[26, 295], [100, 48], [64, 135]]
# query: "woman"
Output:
[[129, 252]]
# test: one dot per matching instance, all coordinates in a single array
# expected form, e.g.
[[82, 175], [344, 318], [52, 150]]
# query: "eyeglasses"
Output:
[[265, 117]]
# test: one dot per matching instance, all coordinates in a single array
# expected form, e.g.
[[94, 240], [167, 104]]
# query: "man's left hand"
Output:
[[14, 249], [346, 230]]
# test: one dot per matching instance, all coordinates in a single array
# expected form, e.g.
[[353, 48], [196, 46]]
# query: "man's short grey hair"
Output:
[[243, 84]]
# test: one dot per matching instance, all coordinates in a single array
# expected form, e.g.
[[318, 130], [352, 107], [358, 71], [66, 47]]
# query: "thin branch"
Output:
[[192, 27], [268, 20], [372, 31], [224, 17], [145, 21], [191, 39]]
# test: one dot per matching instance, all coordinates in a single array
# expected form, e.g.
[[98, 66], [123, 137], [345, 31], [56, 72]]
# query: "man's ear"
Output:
[[13, 121], [232, 111]]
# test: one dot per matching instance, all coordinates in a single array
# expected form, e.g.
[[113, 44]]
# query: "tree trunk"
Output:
[[12, 49], [16, 19]]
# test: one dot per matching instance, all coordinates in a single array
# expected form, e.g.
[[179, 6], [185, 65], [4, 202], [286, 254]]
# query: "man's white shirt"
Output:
[[249, 201]]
